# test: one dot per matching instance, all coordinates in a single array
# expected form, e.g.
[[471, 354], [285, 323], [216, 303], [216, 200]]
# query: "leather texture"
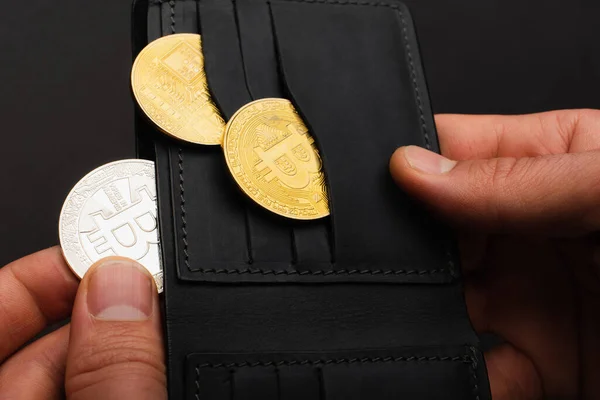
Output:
[[365, 304]]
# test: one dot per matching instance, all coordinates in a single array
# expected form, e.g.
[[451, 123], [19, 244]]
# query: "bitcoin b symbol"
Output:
[[129, 232], [286, 150], [275, 161]]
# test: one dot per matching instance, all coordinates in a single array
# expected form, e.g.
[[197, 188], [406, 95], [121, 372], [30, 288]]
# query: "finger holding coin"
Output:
[[112, 211]]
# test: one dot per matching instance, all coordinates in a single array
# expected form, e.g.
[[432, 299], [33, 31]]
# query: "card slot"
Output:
[[222, 58], [207, 219], [309, 240], [300, 382], [186, 16], [270, 237], [345, 375], [358, 62], [167, 21], [210, 222], [257, 45], [312, 245], [396, 380], [256, 383], [213, 384], [178, 16]]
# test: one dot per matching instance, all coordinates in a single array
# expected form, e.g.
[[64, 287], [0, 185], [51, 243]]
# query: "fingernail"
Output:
[[120, 290], [427, 161]]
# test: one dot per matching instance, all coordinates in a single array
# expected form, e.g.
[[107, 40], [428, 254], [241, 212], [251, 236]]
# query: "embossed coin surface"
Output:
[[273, 158], [169, 84], [112, 211]]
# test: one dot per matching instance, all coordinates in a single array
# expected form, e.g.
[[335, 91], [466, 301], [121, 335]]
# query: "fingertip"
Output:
[[399, 164], [116, 260], [118, 288], [116, 329], [428, 177], [396, 156], [412, 163]]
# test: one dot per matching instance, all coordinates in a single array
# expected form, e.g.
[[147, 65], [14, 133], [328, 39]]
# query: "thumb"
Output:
[[556, 194], [116, 349]]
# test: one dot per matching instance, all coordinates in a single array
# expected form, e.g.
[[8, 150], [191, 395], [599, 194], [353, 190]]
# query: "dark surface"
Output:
[[66, 107]]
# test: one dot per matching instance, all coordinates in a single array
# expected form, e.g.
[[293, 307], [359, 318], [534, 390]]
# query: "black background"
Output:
[[66, 108]]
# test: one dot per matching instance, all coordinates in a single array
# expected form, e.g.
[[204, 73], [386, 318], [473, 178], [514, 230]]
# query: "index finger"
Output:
[[35, 291], [468, 137]]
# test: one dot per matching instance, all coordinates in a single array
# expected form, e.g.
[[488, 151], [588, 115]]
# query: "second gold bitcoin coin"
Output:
[[169, 84], [274, 159]]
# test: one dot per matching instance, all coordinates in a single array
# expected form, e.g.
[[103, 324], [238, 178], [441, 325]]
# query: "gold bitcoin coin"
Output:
[[169, 84], [273, 158]]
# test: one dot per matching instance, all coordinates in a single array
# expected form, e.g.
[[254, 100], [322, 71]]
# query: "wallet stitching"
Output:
[[255, 271], [466, 359], [473, 368], [251, 271], [181, 170], [183, 212], [172, 5]]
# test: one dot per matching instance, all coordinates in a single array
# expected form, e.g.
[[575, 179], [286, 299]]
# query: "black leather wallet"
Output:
[[365, 304]]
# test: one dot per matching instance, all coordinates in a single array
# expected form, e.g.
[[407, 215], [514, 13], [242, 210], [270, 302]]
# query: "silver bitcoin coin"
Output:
[[112, 212]]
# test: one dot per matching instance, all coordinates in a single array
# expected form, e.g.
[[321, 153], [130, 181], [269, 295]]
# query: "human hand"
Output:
[[112, 349], [524, 194], [526, 208]]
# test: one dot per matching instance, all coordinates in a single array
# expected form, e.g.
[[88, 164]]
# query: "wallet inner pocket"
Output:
[[388, 374], [353, 73], [351, 70]]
